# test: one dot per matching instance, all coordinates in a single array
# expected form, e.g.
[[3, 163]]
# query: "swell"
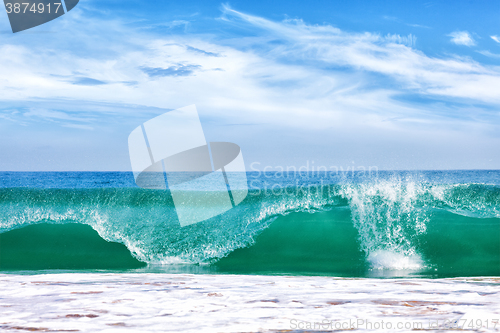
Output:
[[390, 224], [322, 243]]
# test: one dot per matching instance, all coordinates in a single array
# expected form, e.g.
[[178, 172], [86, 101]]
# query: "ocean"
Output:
[[427, 224], [303, 252]]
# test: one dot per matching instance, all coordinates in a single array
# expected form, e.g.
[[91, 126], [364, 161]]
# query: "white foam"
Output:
[[95, 302], [383, 259]]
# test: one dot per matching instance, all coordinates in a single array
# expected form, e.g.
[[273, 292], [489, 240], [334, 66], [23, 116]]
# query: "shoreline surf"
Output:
[[244, 303]]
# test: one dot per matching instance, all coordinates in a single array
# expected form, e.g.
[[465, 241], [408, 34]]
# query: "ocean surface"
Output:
[[425, 224]]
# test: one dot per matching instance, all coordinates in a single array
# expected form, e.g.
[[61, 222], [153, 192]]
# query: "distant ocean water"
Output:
[[351, 224]]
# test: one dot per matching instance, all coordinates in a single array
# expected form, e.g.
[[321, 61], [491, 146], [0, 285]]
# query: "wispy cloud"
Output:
[[179, 70], [79, 126], [489, 54], [395, 19], [453, 77], [194, 49], [87, 81], [321, 64], [283, 74], [53, 115], [418, 26], [409, 40], [64, 119], [495, 38], [318, 63], [172, 25], [390, 18], [462, 38]]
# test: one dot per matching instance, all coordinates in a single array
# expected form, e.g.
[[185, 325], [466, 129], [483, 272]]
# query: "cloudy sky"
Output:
[[331, 83]]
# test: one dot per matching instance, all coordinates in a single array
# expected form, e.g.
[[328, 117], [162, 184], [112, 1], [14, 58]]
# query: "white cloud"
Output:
[[418, 26], [52, 115], [409, 40], [79, 126], [489, 54], [462, 38], [249, 74], [287, 75], [495, 38], [453, 77]]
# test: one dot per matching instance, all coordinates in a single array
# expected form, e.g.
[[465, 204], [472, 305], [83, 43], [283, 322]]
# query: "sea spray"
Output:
[[388, 217]]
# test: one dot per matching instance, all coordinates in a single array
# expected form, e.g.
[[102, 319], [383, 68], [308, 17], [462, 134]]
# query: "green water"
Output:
[[323, 243], [302, 243], [386, 228], [328, 243], [65, 246], [462, 246]]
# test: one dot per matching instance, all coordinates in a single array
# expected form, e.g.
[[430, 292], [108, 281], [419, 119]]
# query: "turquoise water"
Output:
[[437, 224]]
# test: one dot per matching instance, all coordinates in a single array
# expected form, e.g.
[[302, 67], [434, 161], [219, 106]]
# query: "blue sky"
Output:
[[392, 84]]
